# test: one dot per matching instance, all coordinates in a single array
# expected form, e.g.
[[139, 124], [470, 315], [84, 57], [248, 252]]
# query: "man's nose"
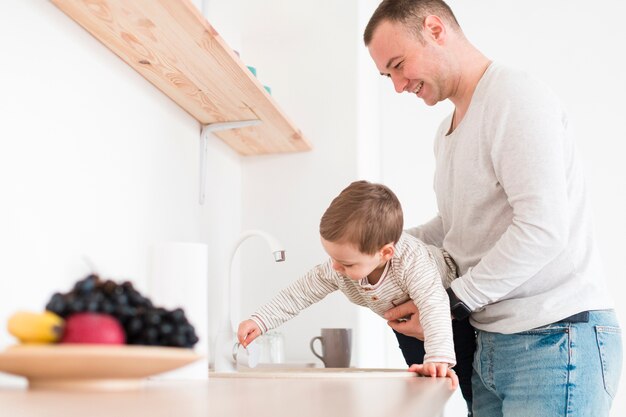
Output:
[[337, 266], [399, 83]]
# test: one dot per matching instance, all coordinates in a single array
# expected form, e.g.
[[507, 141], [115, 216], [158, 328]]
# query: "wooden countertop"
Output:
[[277, 396]]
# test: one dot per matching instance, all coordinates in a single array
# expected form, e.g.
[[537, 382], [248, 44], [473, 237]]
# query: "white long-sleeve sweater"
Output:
[[513, 211], [416, 271]]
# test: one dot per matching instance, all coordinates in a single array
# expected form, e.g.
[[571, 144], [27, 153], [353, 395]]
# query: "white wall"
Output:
[[575, 47], [305, 51], [94, 162], [311, 55]]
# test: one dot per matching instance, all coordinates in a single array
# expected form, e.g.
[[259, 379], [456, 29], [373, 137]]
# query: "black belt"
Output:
[[582, 317]]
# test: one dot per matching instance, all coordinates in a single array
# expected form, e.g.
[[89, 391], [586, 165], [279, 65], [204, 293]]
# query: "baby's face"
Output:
[[350, 262]]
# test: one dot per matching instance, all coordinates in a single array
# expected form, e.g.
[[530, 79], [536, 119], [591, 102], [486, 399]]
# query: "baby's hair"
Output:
[[364, 214]]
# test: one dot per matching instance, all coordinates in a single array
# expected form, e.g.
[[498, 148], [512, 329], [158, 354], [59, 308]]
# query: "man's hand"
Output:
[[247, 332], [436, 369], [405, 319]]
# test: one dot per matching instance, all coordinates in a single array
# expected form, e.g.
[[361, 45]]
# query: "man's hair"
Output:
[[364, 214], [411, 14]]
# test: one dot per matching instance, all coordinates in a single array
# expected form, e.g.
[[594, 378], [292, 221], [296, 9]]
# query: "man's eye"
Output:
[[348, 266], [398, 65]]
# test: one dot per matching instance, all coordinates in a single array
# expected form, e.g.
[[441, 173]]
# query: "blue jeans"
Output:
[[562, 369]]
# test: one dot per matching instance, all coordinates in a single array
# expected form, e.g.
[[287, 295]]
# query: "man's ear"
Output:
[[434, 29], [387, 251]]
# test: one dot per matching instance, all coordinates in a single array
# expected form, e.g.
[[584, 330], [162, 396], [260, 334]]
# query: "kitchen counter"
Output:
[[276, 396]]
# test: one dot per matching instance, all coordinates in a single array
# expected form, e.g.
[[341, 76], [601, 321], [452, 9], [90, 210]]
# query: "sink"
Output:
[[287, 371]]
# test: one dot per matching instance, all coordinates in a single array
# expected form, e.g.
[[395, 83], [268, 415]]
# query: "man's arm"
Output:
[[430, 233], [530, 154]]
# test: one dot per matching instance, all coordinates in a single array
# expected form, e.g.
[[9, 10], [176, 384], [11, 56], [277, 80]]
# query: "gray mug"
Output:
[[336, 347]]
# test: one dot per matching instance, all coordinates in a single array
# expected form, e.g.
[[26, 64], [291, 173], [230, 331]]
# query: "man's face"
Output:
[[350, 262], [413, 66]]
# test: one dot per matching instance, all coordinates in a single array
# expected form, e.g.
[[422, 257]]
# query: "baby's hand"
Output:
[[435, 369], [247, 332]]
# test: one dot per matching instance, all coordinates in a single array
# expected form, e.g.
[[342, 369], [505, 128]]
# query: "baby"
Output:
[[376, 265]]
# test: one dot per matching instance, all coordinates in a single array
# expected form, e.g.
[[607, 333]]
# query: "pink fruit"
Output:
[[93, 328]]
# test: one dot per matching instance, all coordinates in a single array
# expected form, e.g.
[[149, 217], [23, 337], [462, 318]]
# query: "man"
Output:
[[513, 214]]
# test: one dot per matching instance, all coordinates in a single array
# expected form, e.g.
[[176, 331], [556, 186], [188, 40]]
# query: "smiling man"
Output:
[[514, 215]]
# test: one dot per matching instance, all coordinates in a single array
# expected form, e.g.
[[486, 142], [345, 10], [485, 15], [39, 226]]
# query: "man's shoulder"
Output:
[[513, 84], [502, 80]]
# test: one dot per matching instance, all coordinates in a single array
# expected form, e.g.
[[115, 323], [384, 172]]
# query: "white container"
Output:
[[178, 277]]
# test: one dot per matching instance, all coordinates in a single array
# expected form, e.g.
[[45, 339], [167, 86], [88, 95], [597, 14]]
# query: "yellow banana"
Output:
[[31, 327]]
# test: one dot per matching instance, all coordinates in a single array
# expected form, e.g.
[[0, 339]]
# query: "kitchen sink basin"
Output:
[[312, 372]]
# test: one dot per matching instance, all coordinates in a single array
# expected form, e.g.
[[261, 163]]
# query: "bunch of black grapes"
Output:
[[143, 323]]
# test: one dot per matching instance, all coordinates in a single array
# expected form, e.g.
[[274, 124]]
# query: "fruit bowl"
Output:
[[91, 367]]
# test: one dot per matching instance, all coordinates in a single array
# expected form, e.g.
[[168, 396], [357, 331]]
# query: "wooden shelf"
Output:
[[171, 44]]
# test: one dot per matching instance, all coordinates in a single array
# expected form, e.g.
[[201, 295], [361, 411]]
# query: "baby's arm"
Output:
[[309, 289], [247, 332], [426, 290]]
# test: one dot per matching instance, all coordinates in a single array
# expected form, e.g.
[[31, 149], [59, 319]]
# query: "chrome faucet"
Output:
[[226, 344]]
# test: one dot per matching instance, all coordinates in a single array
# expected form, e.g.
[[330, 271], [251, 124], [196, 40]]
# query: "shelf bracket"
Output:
[[204, 139]]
